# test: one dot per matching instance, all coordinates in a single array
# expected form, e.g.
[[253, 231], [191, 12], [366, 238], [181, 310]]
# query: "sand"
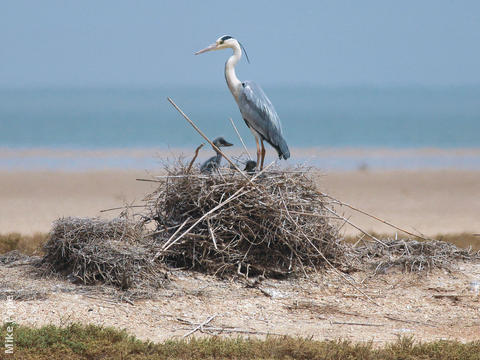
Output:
[[429, 306], [429, 202], [433, 306]]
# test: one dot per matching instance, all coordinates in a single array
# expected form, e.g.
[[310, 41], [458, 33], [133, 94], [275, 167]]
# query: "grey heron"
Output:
[[214, 162], [256, 109]]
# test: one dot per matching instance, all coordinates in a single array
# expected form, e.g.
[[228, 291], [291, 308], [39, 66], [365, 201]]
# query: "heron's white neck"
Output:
[[232, 81]]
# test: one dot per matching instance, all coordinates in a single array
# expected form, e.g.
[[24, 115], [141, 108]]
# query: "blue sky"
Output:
[[151, 43]]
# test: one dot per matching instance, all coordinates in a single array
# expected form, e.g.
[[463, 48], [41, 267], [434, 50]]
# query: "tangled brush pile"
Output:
[[411, 255], [274, 224], [92, 250]]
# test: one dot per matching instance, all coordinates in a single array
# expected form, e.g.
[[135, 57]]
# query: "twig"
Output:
[[227, 329], [195, 156], [148, 180], [123, 207], [206, 138], [408, 321], [200, 326], [374, 217], [354, 323], [240, 331], [240, 137], [212, 234], [175, 233], [355, 226]]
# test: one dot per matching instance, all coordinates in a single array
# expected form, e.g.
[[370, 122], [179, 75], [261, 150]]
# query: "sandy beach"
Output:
[[430, 202], [432, 305]]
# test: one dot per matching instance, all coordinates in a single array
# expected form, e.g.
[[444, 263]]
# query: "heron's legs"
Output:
[[263, 154], [258, 152]]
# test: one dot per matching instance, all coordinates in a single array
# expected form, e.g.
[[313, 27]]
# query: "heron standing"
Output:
[[214, 162], [256, 109]]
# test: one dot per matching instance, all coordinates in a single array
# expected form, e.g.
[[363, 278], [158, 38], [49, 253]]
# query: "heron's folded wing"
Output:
[[258, 111]]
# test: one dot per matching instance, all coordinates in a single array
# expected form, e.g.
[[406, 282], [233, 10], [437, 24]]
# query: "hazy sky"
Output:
[[90, 43]]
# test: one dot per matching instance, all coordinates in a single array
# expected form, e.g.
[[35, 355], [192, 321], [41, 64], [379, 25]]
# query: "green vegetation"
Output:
[[96, 342]]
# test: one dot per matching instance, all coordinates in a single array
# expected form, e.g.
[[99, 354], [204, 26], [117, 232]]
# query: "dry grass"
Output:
[[275, 225], [463, 240], [26, 244]]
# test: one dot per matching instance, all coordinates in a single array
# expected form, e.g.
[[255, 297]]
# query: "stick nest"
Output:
[[275, 226], [93, 251], [412, 255]]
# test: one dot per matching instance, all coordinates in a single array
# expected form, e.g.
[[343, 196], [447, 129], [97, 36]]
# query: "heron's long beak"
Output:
[[208, 48], [226, 143]]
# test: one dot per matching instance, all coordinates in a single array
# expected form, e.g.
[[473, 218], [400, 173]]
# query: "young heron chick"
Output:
[[214, 162]]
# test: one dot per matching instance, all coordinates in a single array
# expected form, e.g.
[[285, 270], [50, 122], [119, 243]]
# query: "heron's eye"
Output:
[[220, 42]]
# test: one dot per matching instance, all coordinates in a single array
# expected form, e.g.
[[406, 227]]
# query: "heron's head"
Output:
[[223, 42], [250, 166], [220, 142]]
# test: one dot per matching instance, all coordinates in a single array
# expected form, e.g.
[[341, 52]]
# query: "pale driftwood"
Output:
[[200, 326]]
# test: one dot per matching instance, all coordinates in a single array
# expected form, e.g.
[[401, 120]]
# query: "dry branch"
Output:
[[194, 157]]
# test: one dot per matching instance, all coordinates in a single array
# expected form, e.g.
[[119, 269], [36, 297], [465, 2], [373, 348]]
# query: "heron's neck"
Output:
[[232, 81], [218, 158]]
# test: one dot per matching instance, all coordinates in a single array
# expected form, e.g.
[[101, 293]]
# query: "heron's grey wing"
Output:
[[259, 113]]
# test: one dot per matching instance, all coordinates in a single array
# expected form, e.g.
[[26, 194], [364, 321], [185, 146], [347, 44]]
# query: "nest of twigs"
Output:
[[92, 251], [411, 255], [273, 224]]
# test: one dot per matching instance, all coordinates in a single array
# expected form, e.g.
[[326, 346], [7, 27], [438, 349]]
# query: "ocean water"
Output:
[[396, 118], [407, 117]]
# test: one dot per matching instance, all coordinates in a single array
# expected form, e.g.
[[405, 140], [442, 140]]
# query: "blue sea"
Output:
[[392, 118]]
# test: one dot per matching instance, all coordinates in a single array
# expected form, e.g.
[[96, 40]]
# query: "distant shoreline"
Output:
[[327, 158]]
